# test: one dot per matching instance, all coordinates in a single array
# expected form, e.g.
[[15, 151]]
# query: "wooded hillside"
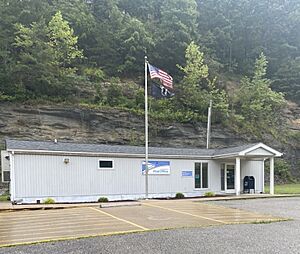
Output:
[[242, 54], [83, 50]]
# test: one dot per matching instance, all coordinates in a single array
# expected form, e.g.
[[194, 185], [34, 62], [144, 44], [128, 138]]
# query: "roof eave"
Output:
[[95, 154]]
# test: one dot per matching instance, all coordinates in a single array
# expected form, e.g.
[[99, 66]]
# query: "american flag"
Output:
[[165, 78]]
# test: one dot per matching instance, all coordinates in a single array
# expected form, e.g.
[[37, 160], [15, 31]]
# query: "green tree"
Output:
[[256, 103], [135, 41], [63, 43], [80, 17], [196, 88], [173, 31], [195, 69], [44, 58], [241, 29], [34, 72], [12, 12], [120, 40], [287, 78]]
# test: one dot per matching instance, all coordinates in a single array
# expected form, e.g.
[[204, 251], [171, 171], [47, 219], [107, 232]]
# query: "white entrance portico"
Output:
[[235, 165]]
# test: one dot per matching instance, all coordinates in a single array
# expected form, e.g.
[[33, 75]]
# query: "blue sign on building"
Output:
[[187, 173]]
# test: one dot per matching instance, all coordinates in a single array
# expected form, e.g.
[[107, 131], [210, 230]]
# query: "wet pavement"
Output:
[[23, 227]]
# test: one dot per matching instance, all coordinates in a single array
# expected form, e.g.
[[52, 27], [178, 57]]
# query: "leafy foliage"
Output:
[[68, 50], [209, 194], [63, 42], [282, 171], [45, 56], [196, 89], [49, 201], [256, 103], [179, 195], [103, 200]]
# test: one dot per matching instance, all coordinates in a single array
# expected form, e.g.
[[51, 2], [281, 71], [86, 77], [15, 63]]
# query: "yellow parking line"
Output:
[[117, 218], [63, 230], [177, 211], [33, 214], [48, 218], [28, 241], [53, 227]]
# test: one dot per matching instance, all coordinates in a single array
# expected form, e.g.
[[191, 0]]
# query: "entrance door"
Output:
[[227, 178], [230, 178]]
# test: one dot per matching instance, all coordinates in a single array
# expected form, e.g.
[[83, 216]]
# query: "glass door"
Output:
[[230, 177], [227, 178]]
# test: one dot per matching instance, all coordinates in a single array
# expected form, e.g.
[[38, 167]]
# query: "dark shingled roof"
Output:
[[62, 146], [235, 149]]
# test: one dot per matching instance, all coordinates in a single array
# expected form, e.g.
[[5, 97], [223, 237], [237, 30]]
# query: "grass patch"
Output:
[[291, 188], [4, 197], [270, 221], [262, 222], [209, 194]]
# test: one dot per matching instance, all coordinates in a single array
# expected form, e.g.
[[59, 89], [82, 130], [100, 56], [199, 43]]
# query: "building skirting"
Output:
[[94, 198]]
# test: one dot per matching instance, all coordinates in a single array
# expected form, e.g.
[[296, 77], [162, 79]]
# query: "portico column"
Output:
[[237, 180], [272, 175]]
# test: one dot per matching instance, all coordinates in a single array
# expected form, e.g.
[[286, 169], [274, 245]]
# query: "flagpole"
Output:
[[146, 128]]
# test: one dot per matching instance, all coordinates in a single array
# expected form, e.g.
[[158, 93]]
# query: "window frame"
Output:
[[106, 159], [4, 181], [201, 176]]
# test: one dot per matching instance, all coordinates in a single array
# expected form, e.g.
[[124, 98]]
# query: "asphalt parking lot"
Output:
[[25, 227]]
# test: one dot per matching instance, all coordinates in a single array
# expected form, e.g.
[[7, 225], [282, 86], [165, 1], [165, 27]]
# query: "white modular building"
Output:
[[72, 172]]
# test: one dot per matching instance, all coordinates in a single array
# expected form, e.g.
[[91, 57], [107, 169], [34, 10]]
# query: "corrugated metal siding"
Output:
[[215, 176], [253, 168], [49, 176]]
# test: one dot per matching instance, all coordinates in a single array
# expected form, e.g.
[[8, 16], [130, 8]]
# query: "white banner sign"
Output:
[[157, 167]]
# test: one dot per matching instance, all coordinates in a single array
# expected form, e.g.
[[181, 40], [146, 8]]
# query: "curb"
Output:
[[17, 208], [249, 198], [108, 205]]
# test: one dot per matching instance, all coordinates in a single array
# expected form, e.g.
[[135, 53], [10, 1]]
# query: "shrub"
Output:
[[114, 95], [209, 194], [102, 199], [49, 201], [179, 195], [4, 197], [94, 74], [282, 171]]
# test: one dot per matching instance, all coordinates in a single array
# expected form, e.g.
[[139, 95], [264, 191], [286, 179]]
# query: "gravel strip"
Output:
[[280, 237]]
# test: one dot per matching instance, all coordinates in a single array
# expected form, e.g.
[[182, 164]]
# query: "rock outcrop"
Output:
[[116, 127]]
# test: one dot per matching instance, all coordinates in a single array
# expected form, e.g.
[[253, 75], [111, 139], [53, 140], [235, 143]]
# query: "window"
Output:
[[197, 175], [204, 175], [201, 175], [106, 164], [6, 176]]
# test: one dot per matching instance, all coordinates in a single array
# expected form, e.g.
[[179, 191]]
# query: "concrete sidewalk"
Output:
[[8, 206], [245, 196]]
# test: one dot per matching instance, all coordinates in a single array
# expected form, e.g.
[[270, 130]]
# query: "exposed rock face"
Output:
[[114, 127], [103, 126]]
